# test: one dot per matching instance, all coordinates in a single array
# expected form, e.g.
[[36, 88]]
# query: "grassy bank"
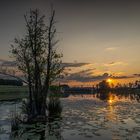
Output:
[[19, 92], [13, 92]]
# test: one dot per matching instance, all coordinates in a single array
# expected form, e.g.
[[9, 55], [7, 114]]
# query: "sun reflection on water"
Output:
[[111, 99]]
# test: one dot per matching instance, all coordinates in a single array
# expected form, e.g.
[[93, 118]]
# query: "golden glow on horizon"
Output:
[[90, 84], [109, 81]]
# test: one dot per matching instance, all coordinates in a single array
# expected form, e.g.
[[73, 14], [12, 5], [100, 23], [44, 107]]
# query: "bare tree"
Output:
[[37, 58]]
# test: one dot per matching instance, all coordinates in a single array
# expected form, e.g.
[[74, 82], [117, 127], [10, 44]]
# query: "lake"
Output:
[[102, 116]]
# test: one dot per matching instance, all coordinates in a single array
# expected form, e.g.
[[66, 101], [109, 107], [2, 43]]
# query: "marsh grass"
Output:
[[13, 92], [54, 107]]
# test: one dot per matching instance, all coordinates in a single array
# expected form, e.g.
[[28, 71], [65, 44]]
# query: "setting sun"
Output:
[[109, 80], [110, 101]]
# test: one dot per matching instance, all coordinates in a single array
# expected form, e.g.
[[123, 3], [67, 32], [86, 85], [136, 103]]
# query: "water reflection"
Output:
[[40, 131], [112, 97], [97, 116], [106, 115], [54, 119]]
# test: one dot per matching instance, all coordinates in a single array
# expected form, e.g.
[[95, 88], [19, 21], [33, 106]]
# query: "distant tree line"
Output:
[[131, 85], [104, 85], [11, 82]]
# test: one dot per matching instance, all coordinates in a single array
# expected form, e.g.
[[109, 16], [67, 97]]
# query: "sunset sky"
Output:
[[99, 38]]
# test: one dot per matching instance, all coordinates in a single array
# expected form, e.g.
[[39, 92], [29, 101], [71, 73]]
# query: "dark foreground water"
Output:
[[84, 117]]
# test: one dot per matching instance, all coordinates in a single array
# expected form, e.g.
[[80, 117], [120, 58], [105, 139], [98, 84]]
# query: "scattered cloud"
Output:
[[121, 77], [7, 63], [86, 72], [125, 76], [74, 64], [85, 76], [111, 48], [136, 75], [115, 64], [13, 63]]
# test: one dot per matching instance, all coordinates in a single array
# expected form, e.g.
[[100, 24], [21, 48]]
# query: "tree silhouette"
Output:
[[37, 58], [104, 85]]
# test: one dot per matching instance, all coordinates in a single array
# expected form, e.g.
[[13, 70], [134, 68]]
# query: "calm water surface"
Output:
[[103, 116]]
